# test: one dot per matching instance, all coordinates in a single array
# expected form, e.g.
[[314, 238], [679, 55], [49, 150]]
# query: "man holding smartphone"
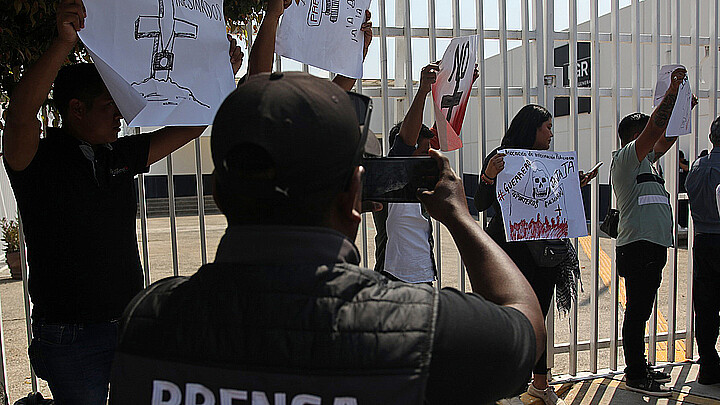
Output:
[[286, 313]]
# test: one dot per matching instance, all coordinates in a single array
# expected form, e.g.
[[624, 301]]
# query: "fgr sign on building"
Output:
[[582, 69]]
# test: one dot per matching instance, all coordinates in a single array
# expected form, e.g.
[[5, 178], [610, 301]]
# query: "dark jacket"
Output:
[[311, 325]]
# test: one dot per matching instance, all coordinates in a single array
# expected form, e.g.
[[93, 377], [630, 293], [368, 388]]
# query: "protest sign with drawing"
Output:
[[451, 90], [164, 62], [680, 120], [539, 194], [325, 34]]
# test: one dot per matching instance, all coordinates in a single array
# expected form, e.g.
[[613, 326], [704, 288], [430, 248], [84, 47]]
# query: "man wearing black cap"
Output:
[[701, 183], [286, 313]]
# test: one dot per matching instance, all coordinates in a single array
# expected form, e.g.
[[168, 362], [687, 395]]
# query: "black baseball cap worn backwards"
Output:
[[307, 125]]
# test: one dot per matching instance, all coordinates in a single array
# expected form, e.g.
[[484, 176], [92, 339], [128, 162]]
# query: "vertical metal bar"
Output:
[[674, 176], [384, 75], [200, 200], [432, 28], [3, 362], [550, 105], [482, 125], [714, 51], [408, 55], [637, 56], [572, 74], [539, 50], [689, 317], [171, 205], [365, 262], [594, 185], [652, 327], [550, 53], [143, 223], [526, 48], [504, 58], [459, 152], [614, 281], [26, 297]]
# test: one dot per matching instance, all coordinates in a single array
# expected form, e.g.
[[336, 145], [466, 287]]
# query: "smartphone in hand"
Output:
[[396, 179]]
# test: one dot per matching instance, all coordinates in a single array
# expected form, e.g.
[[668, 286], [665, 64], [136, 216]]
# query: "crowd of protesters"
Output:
[[285, 312]]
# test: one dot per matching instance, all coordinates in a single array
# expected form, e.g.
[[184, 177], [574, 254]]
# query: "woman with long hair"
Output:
[[531, 128]]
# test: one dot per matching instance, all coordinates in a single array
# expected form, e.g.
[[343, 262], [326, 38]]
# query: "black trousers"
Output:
[[542, 281], [641, 264], [706, 299]]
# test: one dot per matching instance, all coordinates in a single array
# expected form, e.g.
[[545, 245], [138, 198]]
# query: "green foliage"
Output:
[[10, 235], [27, 27]]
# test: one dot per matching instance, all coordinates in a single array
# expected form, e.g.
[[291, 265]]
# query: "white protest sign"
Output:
[[680, 120], [539, 194], [325, 34], [451, 90], [165, 62]]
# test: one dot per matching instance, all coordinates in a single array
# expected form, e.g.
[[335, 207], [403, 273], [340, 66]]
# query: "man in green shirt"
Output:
[[645, 230]]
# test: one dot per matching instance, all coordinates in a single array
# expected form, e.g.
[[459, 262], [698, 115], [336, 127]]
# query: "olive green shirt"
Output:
[[645, 212]]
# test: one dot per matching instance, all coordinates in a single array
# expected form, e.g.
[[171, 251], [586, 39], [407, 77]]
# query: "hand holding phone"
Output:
[[397, 179]]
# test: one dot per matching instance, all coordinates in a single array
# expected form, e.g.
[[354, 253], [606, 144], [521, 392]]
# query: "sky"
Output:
[[443, 19]]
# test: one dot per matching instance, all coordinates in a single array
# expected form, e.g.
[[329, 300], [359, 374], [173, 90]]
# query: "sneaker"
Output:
[[648, 386], [511, 401], [548, 395], [657, 375]]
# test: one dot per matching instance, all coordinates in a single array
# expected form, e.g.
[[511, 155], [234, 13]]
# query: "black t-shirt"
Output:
[[477, 342], [78, 213]]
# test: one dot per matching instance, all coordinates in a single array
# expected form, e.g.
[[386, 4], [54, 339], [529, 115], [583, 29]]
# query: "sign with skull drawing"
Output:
[[539, 194]]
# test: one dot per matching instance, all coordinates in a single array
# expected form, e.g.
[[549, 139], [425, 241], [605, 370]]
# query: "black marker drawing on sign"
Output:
[[460, 66], [164, 28], [319, 7]]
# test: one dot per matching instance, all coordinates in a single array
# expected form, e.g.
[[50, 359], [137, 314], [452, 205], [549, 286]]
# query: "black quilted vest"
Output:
[[286, 334]]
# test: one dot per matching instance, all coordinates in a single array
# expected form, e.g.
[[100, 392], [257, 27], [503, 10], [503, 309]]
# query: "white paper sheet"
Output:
[[165, 62], [325, 34], [681, 119], [451, 90], [539, 194]]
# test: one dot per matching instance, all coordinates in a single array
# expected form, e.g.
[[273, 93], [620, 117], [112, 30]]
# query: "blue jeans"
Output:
[[75, 360]]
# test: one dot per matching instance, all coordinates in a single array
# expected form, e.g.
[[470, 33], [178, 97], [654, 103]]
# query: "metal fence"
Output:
[[534, 44]]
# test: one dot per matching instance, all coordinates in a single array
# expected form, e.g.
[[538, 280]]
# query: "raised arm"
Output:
[[22, 130], [166, 140], [664, 143], [345, 82], [412, 123], [263, 49], [659, 119], [492, 273]]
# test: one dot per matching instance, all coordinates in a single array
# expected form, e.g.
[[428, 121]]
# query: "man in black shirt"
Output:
[[285, 311], [76, 196]]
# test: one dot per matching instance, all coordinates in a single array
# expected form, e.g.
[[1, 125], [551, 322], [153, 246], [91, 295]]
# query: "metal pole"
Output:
[[459, 152], [614, 281], [200, 201], [143, 223], [594, 186], [526, 48], [550, 105], [482, 125], [171, 205], [504, 69], [384, 75], [572, 75]]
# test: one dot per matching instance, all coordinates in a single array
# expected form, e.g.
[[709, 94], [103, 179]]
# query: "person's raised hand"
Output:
[[676, 79], [236, 54], [275, 8], [585, 178], [70, 18], [495, 165], [446, 202], [366, 28], [428, 76], [693, 101]]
